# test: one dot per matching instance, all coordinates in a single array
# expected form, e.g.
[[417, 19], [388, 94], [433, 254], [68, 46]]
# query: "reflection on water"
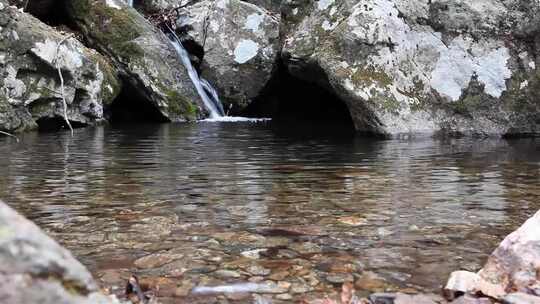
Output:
[[208, 195]]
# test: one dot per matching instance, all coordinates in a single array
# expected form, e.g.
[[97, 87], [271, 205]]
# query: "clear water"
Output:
[[409, 211]]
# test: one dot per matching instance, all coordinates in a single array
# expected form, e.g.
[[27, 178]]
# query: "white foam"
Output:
[[235, 119]]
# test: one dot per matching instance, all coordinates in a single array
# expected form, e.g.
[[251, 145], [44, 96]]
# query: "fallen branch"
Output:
[[10, 135], [55, 60]]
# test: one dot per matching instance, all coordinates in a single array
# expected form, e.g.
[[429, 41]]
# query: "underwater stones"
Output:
[[30, 89], [36, 269], [511, 268], [142, 53], [240, 42]]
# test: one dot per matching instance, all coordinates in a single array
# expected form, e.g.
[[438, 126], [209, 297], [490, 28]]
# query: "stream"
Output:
[[292, 211]]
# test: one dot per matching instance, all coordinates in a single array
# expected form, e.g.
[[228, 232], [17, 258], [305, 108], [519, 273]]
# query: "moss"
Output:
[[180, 106], [116, 28], [369, 75]]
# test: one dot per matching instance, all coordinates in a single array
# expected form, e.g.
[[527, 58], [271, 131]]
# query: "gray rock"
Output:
[[521, 298], [511, 268], [30, 87], [409, 67], [35, 269], [143, 54], [240, 42]]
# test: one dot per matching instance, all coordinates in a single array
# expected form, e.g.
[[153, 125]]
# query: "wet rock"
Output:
[[521, 298], [239, 63], [156, 260], [401, 298], [184, 289], [253, 254], [339, 278], [143, 54], [352, 221], [30, 88], [306, 247], [273, 287], [469, 299], [227, 274], [35, 269], [460, 282], [258, 270], [370, 281]]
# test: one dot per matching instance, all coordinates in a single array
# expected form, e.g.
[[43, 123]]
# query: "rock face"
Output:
[[30, 87], [406, 66], [511, 271], [143, 55], [35, 269], [240, 42]]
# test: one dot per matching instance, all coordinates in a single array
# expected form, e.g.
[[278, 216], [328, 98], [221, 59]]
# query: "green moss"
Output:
[[180, 106], [110, 27], [369, 75]]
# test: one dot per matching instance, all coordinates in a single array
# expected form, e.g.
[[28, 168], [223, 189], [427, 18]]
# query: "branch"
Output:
[[10, 135], [55, 60]]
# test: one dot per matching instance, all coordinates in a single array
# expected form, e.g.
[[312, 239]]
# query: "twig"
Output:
[[55, 60], [10, 135]]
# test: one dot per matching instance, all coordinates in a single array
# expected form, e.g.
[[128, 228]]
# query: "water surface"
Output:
[[316, 208]]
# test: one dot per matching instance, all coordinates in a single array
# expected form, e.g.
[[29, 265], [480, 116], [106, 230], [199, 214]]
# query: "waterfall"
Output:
[[130, 3], [204, 89]]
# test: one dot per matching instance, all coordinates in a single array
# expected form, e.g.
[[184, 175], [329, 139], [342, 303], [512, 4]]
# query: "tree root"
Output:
[[55, 61]]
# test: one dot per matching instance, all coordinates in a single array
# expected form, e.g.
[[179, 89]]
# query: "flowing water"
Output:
[[249, 203], [207, 93]]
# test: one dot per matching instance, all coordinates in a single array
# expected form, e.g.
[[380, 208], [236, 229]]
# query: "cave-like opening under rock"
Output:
[[130, 106], [56, 123], [51, 12], [308, 104]]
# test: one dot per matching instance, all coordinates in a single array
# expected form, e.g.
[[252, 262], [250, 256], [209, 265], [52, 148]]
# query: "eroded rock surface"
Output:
[[35, 269], [143, 54], [422, 66], [30, 86], [240, 42]]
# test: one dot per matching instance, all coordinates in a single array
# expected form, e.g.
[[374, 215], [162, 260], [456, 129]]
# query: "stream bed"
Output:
[[292, 211]]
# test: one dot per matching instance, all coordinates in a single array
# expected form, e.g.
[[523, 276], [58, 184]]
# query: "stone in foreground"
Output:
[[36, 269], [511, 271]]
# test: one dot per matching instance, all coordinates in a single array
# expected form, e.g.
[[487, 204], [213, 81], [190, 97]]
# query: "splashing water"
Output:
[[215, 112], [213, 94]]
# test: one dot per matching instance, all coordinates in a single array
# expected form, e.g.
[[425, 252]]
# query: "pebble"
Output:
[[258, 270], [224, 273], [339, 278]]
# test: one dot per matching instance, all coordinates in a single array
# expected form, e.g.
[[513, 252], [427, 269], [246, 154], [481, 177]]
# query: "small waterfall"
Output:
[[213, 94], [212, 103], [130, 3]]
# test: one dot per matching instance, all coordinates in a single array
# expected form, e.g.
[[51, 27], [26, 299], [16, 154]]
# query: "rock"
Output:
[[511, 268], [409, 67], [240, 42], [521, 298], [30, 88], [156, 260], [401, 298], [370, 281], [35, 269], [460, 282], [224, 273], [469, 299], [145, 57], [339, 278], [514, 265], [257, 270], [352, 220]]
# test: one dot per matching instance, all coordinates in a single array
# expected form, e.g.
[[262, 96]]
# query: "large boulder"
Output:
[[35, 269], [240, 42], [143, 54], [402, 66], [511, 271], [30, 86]]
